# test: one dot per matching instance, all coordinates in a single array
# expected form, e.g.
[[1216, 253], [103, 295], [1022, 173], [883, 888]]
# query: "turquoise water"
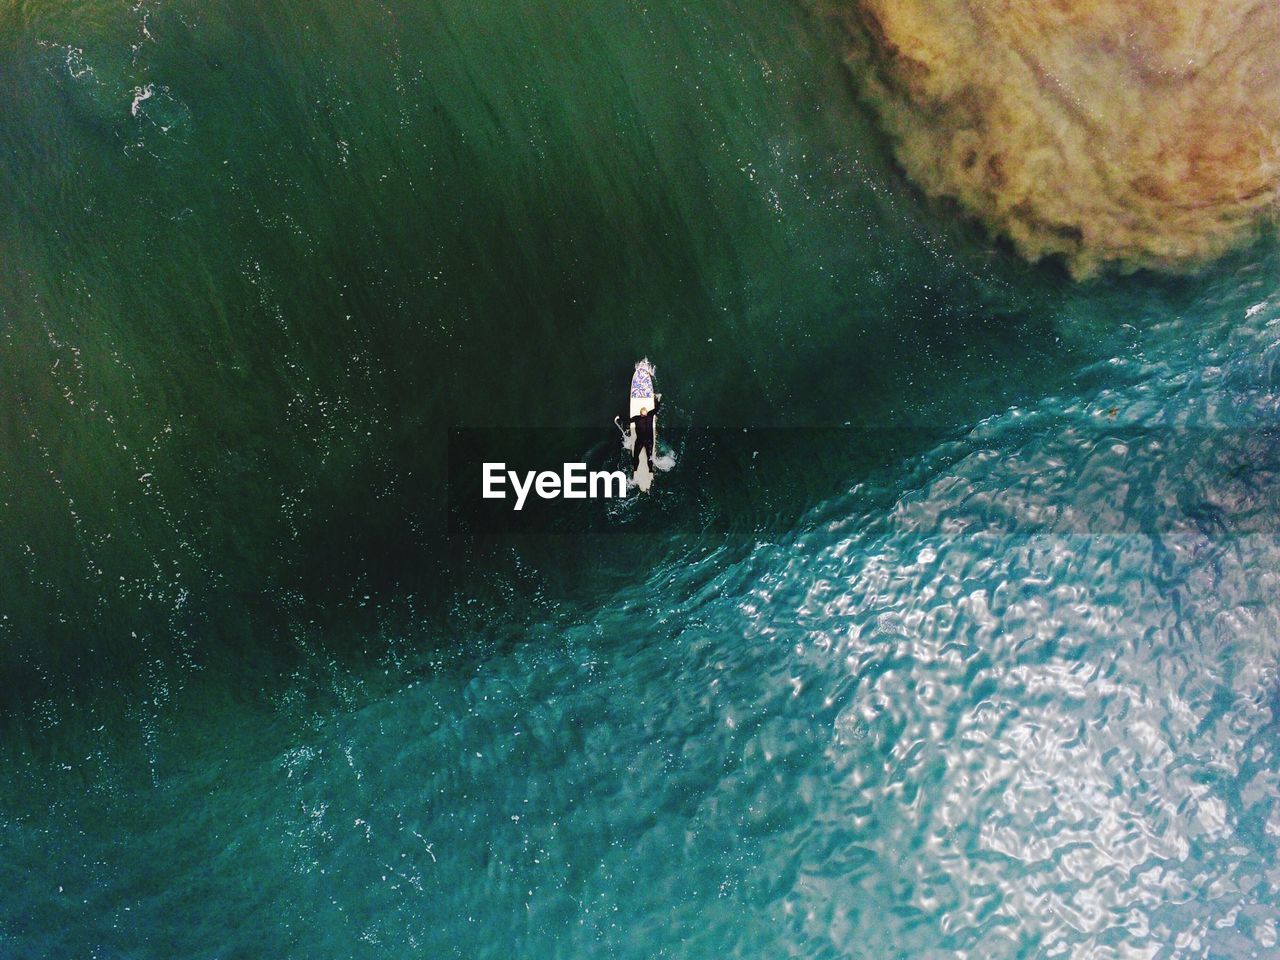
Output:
[[996, 679]]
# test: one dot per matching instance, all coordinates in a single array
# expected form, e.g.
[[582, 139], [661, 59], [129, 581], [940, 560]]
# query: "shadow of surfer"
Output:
[[643, 424]]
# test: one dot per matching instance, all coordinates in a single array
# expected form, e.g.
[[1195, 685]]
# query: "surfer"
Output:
[[643, 422]]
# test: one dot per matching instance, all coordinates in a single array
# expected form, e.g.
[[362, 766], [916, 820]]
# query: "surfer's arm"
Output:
[[652, 413]]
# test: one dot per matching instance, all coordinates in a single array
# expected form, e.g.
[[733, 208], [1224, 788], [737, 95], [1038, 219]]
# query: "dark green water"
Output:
[[991, 674]]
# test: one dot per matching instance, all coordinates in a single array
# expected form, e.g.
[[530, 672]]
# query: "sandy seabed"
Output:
[[1130, 133]]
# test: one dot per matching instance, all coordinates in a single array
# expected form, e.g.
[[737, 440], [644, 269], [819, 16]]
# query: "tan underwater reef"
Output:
[[1125, 133]]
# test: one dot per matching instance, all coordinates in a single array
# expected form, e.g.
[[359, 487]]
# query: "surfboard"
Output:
[[642, 396]]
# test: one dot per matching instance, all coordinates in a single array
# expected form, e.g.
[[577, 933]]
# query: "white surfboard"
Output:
[[642, 396]]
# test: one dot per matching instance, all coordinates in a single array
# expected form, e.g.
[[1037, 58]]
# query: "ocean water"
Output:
[[967, 649]]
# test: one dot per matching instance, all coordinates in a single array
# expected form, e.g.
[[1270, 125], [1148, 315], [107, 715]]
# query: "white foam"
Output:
[[140, 95]]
